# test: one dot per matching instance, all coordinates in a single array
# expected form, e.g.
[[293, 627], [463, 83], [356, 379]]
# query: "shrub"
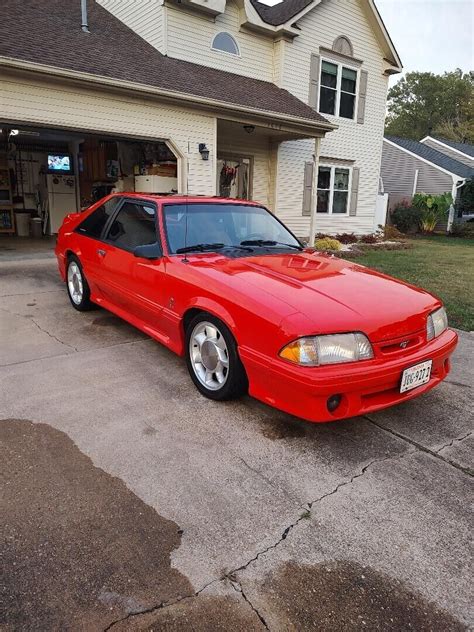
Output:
[[465, 201], [463, 230], [391, 233], [433, 208], [371, 238], [347, 238], [405, 218], [327, 244]]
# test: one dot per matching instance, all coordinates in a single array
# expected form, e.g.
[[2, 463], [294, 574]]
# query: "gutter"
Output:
[[306, 125]]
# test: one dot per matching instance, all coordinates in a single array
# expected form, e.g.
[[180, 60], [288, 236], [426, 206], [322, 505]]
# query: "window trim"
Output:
[[333, 168], [225, 52], [109, 223], [340, 65]]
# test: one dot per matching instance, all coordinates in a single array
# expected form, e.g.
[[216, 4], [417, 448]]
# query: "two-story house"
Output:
[[283, 104]]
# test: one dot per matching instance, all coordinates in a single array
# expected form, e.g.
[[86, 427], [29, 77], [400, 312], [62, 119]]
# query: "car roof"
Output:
[[174, 198]]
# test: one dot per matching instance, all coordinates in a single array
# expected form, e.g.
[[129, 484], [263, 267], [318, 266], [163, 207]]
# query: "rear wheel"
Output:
[[213, 360], [77, 287]]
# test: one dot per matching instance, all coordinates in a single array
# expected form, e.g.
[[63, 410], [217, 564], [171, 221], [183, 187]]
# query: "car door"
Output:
[[90, 232], [133, 284]]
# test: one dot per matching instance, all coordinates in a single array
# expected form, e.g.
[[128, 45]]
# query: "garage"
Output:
[[47, 173]]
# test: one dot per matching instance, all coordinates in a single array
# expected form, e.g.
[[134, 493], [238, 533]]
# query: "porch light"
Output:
[[204, 151], [249, 129]]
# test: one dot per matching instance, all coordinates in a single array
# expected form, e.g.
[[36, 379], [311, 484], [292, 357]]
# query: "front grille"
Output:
[[399, 346]]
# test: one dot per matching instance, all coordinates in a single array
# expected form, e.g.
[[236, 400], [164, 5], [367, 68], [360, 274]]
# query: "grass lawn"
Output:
[[441, 265]]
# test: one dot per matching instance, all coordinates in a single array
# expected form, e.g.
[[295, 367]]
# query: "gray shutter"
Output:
[[313, 80], [354, 191], [362, 96], [308, 187]]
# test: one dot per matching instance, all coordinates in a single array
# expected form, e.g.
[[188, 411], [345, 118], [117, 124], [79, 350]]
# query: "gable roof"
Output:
[[464, 148], [437, 158], [286, 10], [49, 32], [279, 13]]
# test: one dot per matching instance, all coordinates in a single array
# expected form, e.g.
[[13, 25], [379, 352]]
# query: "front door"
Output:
[[131, 283], [233, 177]]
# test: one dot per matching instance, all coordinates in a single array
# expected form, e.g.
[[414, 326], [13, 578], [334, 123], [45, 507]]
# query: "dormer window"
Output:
[[225, 43]]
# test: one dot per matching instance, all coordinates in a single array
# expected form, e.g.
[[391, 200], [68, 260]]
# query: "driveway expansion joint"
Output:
[[435, 453]]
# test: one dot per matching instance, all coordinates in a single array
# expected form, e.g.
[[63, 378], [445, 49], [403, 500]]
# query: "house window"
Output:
[[225, 43], [333, 189], [338, 90]]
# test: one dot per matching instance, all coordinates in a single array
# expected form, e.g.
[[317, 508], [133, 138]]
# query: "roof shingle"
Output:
[[465, 148], [49, 32], [433, 156], [279, 13]]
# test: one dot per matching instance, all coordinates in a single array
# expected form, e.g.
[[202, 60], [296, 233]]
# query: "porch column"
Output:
[[314, 199]]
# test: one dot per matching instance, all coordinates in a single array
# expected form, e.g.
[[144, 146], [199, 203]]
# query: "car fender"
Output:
[[216, 309]]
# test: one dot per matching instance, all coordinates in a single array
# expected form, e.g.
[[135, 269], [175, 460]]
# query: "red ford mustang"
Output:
[[227, 285]]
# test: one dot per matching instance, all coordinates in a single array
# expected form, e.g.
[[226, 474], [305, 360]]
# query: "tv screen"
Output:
[[59, 163]]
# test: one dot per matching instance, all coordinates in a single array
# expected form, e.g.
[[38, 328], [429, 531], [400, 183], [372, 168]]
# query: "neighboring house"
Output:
[[430, 166], [291, 96], [462, 152]]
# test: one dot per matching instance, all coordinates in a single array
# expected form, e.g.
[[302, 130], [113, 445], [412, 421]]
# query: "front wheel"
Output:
[[77, 286], [212, 359]]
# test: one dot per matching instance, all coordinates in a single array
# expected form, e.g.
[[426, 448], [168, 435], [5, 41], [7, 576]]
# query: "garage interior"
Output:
[[47, 173]]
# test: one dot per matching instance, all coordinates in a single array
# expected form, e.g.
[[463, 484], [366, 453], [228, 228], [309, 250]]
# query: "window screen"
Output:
[[94, 223], [135, 225]]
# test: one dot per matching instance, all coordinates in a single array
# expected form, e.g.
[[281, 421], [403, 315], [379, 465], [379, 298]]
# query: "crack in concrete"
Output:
[[436, 453], [237, 586], [231, 575], [32, 320], [457, 383], [455, 440]]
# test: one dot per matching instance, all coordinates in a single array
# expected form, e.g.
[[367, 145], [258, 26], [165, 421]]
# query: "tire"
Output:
[[77, 287], [212, 359]]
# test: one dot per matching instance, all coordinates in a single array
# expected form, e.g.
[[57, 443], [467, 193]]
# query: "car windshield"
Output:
[[205, 225]]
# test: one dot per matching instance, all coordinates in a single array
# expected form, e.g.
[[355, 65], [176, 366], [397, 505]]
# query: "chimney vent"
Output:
[[85, 25]]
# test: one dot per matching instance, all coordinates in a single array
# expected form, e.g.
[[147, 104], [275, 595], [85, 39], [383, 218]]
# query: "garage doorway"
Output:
[[47, 173]]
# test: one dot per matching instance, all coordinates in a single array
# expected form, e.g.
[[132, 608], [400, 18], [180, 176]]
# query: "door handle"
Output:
[[101, 252]]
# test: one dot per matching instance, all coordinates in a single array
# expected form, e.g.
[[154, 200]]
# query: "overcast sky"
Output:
[[431, 35]]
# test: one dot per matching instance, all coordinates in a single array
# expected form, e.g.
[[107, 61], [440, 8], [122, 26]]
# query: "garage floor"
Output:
[[133, 503]]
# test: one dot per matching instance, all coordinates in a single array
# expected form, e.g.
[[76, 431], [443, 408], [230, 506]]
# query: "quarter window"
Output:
[[134, 225], [225, 43], [337, 94], [94, 223], [333, 189]]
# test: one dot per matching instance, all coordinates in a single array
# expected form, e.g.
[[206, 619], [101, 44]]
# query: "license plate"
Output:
[[416, 376]]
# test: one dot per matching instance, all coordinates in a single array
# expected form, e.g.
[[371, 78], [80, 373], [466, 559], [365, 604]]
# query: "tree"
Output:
[[422, 103]]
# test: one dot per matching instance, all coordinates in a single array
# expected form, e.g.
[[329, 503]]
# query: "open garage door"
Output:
[[47, 173]]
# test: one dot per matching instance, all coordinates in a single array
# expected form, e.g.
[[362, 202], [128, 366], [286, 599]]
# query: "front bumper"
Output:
[[364, 386]]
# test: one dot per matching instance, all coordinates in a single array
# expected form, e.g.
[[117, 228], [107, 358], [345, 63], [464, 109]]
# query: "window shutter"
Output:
[[354, 191], [362, 96], [308, 187], [313, 80]]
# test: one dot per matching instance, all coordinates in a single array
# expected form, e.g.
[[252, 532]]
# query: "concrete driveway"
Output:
[[133, 503]]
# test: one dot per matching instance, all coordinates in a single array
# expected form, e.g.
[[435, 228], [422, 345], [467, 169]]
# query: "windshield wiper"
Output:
[[199, 248], [210, 248], [268, 242]]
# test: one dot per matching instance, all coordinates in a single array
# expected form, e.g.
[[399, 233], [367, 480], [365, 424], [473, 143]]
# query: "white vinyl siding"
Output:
[[190, 36], [145, 17], [352, 141], [399, 171], [45, 103]]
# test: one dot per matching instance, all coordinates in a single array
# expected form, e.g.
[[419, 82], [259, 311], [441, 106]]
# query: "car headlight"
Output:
[[437, 322], [330, 349]]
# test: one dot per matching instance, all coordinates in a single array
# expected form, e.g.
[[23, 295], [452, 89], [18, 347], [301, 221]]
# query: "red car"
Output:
[[225, 284]]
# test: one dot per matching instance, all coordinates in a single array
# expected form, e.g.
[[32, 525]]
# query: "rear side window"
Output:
[[94, 223], [134, 225]]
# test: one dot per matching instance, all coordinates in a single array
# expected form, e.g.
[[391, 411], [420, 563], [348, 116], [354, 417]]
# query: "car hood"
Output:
[[333, 295]]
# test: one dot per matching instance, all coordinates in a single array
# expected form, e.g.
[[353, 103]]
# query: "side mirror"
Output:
[[148, 251]]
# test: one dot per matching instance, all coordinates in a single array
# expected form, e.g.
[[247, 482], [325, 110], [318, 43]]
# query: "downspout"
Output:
[[84, 25], [314, 199]]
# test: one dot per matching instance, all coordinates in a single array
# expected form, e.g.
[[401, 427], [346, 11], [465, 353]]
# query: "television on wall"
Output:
[[59, 163]]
